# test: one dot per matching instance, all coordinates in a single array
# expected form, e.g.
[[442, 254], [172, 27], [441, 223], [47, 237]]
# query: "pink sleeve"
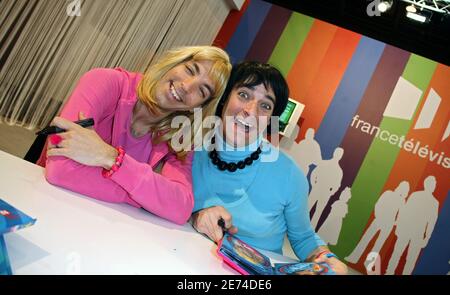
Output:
[[96, 94], [168, 195], [82, 179]]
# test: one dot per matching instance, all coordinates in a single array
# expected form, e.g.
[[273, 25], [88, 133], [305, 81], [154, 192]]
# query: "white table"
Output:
[[75, 234]]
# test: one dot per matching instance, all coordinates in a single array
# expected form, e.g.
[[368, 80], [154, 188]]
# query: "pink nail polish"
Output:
[[55, 139]]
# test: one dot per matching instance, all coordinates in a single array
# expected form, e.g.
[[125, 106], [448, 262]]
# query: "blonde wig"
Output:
[[219, 74]]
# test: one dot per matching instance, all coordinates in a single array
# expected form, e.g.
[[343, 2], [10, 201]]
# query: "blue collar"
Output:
[[230, 153]]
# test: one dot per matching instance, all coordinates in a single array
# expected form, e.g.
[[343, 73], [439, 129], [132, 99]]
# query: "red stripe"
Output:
[[229, 26]]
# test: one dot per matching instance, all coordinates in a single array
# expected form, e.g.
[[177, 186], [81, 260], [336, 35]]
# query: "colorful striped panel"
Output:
[[267, 37], [356, 143], [377, 164], [329, 75], [229, 26], [440, 83], [246, 31], [309, 59], [440, 238], [435, 258], [412, 168], [348, 95], [290, 42]]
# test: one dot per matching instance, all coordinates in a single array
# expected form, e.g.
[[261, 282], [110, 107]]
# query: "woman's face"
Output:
[[247, 114], [185, 86]]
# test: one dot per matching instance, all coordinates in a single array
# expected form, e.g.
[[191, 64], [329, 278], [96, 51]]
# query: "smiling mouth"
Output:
[[174, 93], [244, 124]]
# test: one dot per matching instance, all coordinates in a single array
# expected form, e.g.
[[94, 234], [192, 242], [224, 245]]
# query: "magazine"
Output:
[[11, 219], [5, 267], [249, 261]]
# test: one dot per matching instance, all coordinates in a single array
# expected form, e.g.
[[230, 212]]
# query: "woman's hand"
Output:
[[336, 265], [206, 221], [80, 144]]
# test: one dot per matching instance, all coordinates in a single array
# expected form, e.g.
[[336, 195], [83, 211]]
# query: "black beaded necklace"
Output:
[[232, 167]]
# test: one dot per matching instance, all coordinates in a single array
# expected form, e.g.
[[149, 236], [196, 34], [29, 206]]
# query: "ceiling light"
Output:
[[437, 6], [411, 8], [416, 17], [384, 6]]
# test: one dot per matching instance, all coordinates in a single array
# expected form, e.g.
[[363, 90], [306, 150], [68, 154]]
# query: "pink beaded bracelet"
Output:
[[117, 163]]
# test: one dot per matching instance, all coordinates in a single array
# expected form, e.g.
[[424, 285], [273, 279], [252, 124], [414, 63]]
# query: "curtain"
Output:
[[46, 45]]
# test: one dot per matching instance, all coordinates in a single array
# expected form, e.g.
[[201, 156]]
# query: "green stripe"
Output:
[[419, 71], [378, 163], [290, 42]]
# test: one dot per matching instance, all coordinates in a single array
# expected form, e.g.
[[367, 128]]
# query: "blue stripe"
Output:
[[435, 258], [348, 95], [247, 29]]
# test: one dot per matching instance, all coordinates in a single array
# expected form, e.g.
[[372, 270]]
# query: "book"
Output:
[[5, 266], [11, 219], [248, 261]]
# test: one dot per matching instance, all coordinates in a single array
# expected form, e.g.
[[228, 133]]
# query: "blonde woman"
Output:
[[117, 160]]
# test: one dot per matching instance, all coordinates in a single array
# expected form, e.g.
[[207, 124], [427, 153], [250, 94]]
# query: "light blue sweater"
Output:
[[266, 200]]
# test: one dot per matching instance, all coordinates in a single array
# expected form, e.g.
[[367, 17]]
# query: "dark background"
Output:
[[431, 40]]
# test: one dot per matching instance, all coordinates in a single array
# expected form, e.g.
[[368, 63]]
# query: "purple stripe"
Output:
[[268, 35]]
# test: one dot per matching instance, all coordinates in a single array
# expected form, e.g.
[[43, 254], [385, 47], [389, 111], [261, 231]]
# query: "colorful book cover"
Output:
[[5, 266], [303, 268], [12, 219], [249, 261]]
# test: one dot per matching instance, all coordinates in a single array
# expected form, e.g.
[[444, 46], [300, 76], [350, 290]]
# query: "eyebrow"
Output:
[[269, 97], [197, 71], [197, 68]]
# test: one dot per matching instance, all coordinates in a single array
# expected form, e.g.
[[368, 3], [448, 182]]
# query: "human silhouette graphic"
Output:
[[306, 152], [386, 212], [331, 227], [415, 224], [325, 181]]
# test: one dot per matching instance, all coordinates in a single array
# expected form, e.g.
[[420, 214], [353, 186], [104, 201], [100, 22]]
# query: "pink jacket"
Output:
[[108, 96]]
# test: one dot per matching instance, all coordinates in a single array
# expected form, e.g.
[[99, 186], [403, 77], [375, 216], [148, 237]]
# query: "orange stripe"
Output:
[[409, 166], [309, 59], [329, 74], [440, 84]]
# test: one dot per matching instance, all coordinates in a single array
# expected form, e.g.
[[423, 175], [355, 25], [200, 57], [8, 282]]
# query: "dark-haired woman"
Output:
[[258, 191]]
